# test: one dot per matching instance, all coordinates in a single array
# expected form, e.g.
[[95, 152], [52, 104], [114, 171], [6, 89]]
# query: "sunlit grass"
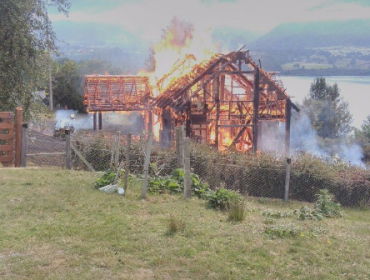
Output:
[[54, 225]]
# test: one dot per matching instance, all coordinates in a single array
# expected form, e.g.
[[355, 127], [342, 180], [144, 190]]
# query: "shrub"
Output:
[[106, 179], [326, 206], [306, 213], [221, 197]]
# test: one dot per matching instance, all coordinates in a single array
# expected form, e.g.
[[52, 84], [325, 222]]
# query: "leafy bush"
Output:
[[175, 184], [106, 179], [306, 213], [221, 197], [325, 205]]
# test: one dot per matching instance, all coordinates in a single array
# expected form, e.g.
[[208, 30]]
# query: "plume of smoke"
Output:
[[128, 122]]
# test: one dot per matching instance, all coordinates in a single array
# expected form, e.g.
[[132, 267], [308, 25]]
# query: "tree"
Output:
[[25, 36], [362, 137], [328, 113]]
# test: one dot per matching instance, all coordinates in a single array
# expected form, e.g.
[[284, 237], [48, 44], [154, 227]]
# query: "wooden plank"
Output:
[[77, 152], [6, 137], [6, 148], [6, 126], [6, 159], [6, 115]]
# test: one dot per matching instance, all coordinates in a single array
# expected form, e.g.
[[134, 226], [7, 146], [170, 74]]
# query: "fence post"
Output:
[[127, 169], [117, 147], [187, 179], [181, 147], [146, 164], [287, 179], [18, 136], [24, 145], [68, 148]]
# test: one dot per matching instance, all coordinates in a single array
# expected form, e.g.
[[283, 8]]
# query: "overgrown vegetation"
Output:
[[260, 176], [56, 226]]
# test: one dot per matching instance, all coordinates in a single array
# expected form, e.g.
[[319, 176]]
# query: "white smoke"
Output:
[[128, 122], [305, 139]]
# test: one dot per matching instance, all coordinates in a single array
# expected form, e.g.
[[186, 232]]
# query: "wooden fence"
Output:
[[11, 138]]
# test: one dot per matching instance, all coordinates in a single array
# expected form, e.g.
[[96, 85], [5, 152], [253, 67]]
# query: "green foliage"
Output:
[[175, 184], [220, 199], [289, 230], [106, 179], [306, 213], [175, 225], [26, 37], [276, 214], [326, 206], [236, 209]]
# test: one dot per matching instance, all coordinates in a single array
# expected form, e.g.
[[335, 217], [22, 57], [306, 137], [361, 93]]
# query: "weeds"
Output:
[[326, 206], [236, 210], [288, 230], [175, 225]]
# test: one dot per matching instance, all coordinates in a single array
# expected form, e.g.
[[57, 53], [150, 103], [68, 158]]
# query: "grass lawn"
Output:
[[54, 225]]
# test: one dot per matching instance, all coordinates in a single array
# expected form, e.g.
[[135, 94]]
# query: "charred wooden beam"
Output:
[[288, 114], [256, 100], [217, 98]]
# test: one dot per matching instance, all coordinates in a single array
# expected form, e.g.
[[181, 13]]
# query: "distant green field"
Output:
[[55, 225]]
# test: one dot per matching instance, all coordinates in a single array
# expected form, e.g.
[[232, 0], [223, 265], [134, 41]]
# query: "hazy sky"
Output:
[[147, 18]]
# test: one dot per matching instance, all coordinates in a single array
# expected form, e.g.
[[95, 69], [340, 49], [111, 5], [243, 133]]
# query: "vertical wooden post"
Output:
[[94, 121], [222, 87], [24, 145], [256, 104], [177, 139], [100, 120], [287, 179], [146, 164], [180, 156], [288, 116], [116, 149], [18, 136], [68, 148], [127, 168], [217, 99], [187, 179]]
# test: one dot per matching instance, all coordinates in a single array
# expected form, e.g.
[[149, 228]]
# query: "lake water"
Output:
[[354, 90]]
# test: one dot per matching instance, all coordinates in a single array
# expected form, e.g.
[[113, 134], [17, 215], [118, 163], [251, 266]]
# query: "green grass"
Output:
[[54, 225]]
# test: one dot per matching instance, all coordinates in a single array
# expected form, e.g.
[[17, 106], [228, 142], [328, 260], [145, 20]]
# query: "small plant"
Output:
[[269, 221], [288, 230], [326, 206], [221, 197], [306, 213], [275, 214], [106, 179], [236, 209], [175, 225]]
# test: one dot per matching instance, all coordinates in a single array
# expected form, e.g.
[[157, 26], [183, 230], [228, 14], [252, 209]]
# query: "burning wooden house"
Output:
[[222, 101], [104, 93]]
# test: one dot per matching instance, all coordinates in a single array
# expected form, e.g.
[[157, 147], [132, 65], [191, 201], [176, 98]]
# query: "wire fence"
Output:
[[261, 175]]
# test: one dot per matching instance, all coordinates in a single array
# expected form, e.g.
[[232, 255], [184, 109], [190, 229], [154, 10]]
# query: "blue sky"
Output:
[[147, 18]]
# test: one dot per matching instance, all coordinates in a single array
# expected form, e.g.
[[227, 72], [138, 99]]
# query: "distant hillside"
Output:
[[295, 36], [94, 34], [233, 38]]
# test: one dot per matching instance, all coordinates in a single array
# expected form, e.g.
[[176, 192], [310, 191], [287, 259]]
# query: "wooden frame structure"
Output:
[[222, 101], [115, 93]]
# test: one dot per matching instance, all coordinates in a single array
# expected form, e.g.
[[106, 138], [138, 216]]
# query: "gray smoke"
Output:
[[131, 122]]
